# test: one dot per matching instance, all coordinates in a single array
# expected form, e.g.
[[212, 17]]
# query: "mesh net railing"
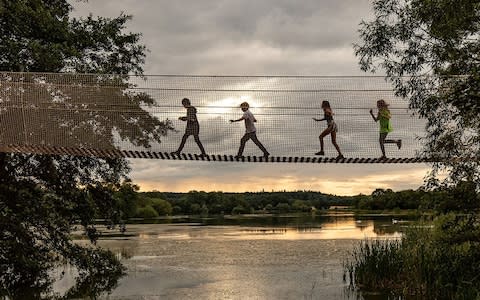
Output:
[[131, 116]]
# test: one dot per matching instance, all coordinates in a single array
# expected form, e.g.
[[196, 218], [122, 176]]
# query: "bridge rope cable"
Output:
[[129, 116]]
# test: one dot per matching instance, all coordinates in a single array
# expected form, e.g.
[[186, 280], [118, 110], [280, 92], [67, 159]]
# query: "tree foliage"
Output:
[[221, 203], [42, 197], [461, 198], [430, 52]]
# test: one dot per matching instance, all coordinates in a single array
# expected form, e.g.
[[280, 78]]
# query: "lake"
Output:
[[241, 257]]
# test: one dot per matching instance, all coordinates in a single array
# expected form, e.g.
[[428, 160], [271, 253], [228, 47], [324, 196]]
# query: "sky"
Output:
[[252, 37]]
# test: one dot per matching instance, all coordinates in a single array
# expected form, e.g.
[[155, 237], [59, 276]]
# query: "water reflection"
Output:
[[67, 283], [288, 227], [242, 257]]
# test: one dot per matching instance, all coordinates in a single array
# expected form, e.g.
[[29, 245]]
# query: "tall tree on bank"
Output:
[[430, 51], [41, 197]]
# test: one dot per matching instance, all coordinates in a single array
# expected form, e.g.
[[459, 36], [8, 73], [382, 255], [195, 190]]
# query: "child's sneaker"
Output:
[[320, 153]]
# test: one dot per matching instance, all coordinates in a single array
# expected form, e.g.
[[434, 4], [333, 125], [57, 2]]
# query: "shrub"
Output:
[[162, 207], [239, 210], [147, 212]]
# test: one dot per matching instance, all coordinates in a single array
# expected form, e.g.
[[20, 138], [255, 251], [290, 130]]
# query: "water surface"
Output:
[[248, 257]]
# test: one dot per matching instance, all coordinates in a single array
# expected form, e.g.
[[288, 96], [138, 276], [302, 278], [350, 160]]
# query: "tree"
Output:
[[147, 212], [41, 197], [163, 207], [127, 197], [430, 52]]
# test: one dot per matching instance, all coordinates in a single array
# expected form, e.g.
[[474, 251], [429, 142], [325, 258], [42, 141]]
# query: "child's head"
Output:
[[186, 102], [244, 106], [382, 104], [325, 104]]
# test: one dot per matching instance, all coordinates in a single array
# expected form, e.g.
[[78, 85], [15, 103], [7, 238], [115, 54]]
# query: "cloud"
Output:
[[251, 37], [242, 37], [240, 177]]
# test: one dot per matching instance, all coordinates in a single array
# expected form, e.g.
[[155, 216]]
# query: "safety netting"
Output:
[[141, 117]]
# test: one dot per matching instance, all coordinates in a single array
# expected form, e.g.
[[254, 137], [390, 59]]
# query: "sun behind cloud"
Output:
[[231, 105]]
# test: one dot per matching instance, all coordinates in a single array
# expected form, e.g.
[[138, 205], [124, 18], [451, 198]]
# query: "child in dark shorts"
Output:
[[331, 129], [193, 127]]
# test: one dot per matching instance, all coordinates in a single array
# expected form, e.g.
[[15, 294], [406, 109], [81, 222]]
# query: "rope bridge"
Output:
[[138, 117]]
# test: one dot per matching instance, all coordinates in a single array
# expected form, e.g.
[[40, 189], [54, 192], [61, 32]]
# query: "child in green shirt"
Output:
[[385, 126]]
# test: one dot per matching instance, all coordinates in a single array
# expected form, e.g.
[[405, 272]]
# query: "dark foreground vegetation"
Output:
[[43, 197], [429, 51], [438, 260]]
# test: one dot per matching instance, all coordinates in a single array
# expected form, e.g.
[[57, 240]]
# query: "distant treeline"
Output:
[[132, 203], [152, 204], [460, 197]]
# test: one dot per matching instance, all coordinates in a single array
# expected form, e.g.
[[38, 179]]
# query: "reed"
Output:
[[431, 262]]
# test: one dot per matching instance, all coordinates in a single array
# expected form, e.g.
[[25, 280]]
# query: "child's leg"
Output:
[[398, 142], [334, 142], [257, 142], [244, 139], [182, 144], [390, 141], [383, 135], [197, 140], [321, 136]]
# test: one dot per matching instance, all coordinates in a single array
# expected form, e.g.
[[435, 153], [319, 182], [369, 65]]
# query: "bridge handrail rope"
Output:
[[105, 115]]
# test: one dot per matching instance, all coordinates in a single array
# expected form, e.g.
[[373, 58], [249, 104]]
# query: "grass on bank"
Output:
[[430, 262]]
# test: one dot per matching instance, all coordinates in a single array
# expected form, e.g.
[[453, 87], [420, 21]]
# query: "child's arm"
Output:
[[373, 116], [327, 112], [238, 120]]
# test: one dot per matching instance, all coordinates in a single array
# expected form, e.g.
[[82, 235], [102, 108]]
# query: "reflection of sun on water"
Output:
[[331, 230], [342, 229]]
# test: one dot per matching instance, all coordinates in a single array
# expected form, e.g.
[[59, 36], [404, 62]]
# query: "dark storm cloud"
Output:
[[242, 37], [298, 24]]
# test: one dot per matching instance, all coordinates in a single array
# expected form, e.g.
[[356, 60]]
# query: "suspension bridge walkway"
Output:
[[115, 116]]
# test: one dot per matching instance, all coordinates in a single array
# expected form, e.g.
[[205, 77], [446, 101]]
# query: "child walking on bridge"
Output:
[[331, 129], [250, 131], [385, 126], [193, 127]]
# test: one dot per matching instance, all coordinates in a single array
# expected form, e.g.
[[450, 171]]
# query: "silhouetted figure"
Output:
[[331, 129], [192, 128], [250, 132], [385, 126]]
